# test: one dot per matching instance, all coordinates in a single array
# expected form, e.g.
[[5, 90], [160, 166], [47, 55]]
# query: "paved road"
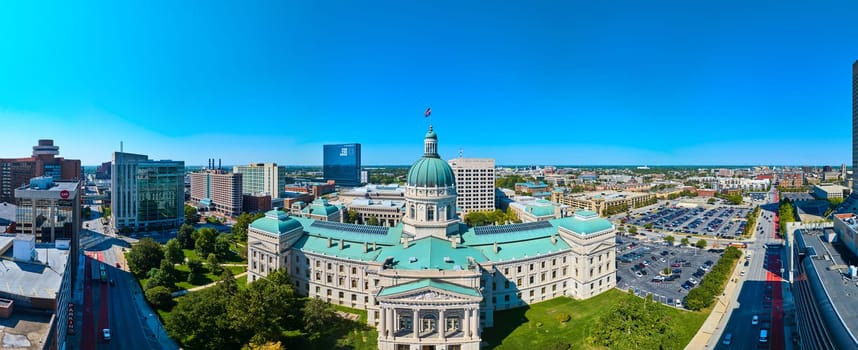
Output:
[[756, 293]]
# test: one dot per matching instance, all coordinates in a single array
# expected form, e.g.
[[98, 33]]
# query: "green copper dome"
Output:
[[430, 172], [431, 134]]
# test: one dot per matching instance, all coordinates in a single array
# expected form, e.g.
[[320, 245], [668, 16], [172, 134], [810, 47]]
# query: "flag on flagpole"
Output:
[[428, 112]]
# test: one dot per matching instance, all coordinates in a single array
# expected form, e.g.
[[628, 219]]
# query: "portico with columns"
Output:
[[429, 315]]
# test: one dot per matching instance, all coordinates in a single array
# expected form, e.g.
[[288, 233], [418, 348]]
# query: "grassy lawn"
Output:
[[535, 325], [356, 335]]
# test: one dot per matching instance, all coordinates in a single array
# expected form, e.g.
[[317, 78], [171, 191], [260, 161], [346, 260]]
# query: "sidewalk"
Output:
[[703, 337]]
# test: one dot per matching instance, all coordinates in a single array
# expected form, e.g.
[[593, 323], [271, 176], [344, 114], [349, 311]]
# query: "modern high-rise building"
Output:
[[146, 194], [475, 183], [341, 163], [854, 126], [17, 172], [217, 191], [262, 178]]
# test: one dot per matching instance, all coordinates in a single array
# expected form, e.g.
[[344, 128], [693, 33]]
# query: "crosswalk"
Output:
[[92, 240]]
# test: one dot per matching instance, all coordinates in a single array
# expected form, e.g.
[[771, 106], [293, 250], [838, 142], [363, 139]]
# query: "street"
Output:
[[760, 292]]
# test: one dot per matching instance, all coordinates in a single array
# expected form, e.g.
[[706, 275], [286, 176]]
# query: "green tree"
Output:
[[372, 220], [684, 241], [185, 236], [701, 243], [144, 256], [242, 222], [204, 242], [160, 297], [352, 217], [214, 264], [633, 230], [318, 315], [669, 239], [198, 321], [173, 252], [711, 201], [648, 226], [265, 309], [221, 248], [633, 323], [196, 271], [190, 214]]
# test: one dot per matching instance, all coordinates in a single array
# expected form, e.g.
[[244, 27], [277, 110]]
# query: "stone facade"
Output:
[[431, 282]]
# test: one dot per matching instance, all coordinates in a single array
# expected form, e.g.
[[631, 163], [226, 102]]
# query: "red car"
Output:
[[117, 265]]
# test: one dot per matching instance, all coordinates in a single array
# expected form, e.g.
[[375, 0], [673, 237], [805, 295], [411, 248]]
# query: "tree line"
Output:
[[495, 217], [266, 313], [712, 285]]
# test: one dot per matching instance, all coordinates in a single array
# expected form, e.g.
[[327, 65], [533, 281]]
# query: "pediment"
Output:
[[603, 245], [430, 295]]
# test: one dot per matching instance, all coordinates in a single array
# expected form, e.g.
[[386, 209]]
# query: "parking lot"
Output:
[[725, 221], [640, 266]]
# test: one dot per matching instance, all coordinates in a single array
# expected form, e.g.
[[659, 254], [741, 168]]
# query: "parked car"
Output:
[[105, 333], [755, 320]]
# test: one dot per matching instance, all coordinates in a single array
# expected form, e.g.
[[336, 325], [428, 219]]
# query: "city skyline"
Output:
[[557, 83]]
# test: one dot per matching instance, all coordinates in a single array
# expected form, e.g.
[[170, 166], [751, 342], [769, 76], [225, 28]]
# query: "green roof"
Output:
[[276, 222], [351, 250], [430, 172], [431, 134], [321, 207], [584, 226], [392, 236], [431, 253], [429, 283], [523, 249], [540, 210]]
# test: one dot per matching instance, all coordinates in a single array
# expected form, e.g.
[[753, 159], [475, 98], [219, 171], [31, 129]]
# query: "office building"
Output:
[[392, 192], [315, 189], [255, 203], [17, 172], [341, 163], [854, 125], [146, 194], [262, 178], [218, 191], [605, 203], [35, 293], [529, 209], [829, 191], [475, 184], [431, 282]]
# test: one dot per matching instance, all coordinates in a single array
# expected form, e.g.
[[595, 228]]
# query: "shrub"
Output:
[[159, 297], [563, 318]]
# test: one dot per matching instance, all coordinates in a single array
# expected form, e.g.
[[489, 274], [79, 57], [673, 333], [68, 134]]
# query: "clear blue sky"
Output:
[[567, 82]]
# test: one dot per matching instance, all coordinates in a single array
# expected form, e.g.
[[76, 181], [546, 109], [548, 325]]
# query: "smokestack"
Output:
[[121, 148]]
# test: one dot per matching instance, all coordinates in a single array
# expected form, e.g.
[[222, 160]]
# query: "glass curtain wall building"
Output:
[[341, 163], [146, 194]]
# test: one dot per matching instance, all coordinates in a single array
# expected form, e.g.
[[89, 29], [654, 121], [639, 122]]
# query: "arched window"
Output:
[[430, 213], [413, 211]]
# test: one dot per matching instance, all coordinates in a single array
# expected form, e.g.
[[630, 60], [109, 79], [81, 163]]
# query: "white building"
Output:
[[265, 178], [475, 183], [432, 282]]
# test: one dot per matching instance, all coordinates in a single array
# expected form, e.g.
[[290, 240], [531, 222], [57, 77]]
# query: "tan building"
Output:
[[429, 282], [389, 213], [604, 203], [217, 191], [475, 184]]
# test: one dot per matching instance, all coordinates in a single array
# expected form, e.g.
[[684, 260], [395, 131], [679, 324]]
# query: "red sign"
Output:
[[64, 194]]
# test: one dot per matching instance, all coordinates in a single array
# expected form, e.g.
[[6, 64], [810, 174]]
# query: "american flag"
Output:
[[428, 112]]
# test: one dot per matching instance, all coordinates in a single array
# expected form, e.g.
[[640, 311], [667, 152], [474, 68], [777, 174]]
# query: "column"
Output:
[[391, 322], [382, 314], [466, 322], [415, 325], [475, 322], [442, 324]]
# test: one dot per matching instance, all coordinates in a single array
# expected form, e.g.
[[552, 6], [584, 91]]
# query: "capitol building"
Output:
[[431, 282]]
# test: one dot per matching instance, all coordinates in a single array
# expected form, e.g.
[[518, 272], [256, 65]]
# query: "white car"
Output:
[[755, 320], [742, 273], [106, 333]]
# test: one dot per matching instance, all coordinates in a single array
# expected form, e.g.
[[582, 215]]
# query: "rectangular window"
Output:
[[341, 295], [531, 267], [506, 271], [543, 264], [506, 284], [543, 277], [531, 279], [354, 270], [519, 269], [531, 293]]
